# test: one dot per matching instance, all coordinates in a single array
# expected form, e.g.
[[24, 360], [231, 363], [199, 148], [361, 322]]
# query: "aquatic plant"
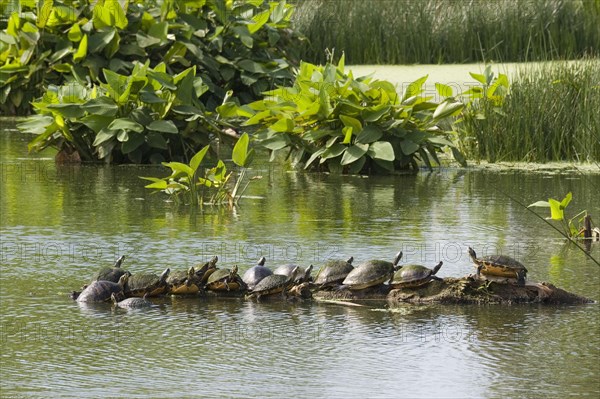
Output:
[[351, 125], [190, 184], [571, 227], [449, 31], [244, 46]]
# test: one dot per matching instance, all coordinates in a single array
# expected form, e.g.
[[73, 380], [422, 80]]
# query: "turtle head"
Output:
[[397, 260], [350, 260], [261, 261], [472, 254], [213, 261], [294, 274], [233, 272], [191, 272], [124, 278], [437, 267], [165, 274], [306, 277], [119, 261]]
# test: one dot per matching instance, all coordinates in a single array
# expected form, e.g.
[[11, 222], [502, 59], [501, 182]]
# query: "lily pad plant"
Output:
[[328, 119]]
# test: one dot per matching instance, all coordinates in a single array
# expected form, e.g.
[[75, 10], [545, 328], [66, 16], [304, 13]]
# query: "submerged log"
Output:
[[464, 290]]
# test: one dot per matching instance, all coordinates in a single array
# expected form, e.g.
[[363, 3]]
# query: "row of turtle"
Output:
[[132, 290]]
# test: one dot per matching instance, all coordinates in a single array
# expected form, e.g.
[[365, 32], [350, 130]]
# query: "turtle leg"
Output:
[[521, 278], [479, 271]]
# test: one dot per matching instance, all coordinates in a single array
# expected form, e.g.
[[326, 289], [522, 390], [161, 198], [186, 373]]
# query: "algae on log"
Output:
[[462, 291]]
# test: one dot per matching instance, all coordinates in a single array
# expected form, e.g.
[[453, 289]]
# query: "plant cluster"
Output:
[[329, 118], [569, 227]]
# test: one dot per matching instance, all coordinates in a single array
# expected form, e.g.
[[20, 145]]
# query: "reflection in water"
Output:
[[59, 224]]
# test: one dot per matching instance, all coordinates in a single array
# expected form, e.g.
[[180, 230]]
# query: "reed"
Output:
[[550, 114], [449, 31]]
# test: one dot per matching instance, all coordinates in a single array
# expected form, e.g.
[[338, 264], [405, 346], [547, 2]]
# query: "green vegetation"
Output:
[[241, 47], [557, 212], [350, 125], [550, 113], [186, 184], [449, 31]]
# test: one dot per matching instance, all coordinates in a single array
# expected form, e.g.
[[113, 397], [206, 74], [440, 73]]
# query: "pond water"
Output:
[[59, 224]]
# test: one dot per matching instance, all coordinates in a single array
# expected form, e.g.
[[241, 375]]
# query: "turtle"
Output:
[[256, 273], [412, 276], [108, 273], [499, 265], [184, 282], [141, 284], [131, 303], [225, 280], [303, 275], [333, 273], [102, 290], [204, 271], [371, 273], [274, 284]]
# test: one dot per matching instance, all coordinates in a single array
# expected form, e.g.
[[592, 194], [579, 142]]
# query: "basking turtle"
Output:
[[131, 303], [333, 273], [256, 273], [412, 276], [204, 271], [274, 284], [371, 273], [108, 273], [142, 284], [184, 282], [303, 275], [499, 265], [225, 280], [102, 290]]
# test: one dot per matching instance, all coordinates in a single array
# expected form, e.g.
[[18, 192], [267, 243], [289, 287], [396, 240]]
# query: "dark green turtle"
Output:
[[500, 266], [333, 273], [102, 290], [412, 276], [302, 275], [108, 273], [184, 282], [225, 280], [256, 273], [142, 284], [204, 271], [131, 303], [371, 273], [274, 284]]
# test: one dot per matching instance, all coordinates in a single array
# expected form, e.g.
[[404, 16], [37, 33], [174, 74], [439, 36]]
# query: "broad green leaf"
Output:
[[374, 114], [134, 140], [544, 204], [81, 50], [446, 109], [357, 166], [179, 168], [75, 34], [335, 150], [126, 124], [354, 123], [347, 135], [565, 202], [164, 126], [122, 136], [353, 153], [197, 159], [67, 110], [101, 106], [478, 77], [98, 41], [369, 134], [259, 20], [314, 156], [283, 125], [240, 151], [103, 136], [381, 150], [443, 90], [408, 147], [96, 122], [156, 140], [276, 142], [158, 185], [414, 89], [556, 211]]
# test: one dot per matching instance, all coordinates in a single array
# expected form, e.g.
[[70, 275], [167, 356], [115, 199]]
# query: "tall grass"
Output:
[[449, 31], [550, 114]]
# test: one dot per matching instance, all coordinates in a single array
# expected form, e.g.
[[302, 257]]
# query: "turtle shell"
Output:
[[412, 276], [369, 274], [334, 272], [184, 282], [111, 273], [302, 274], [102, 290], [500, 266], [273, 284], [132, 303], [256, 273], [149, 284], [225, 280]]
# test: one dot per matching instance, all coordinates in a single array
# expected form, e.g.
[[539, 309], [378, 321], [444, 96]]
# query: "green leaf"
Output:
[[314, 156], [357, 166], [96, 122], [283, 125], [276, 142], [179, 168], [369, 134], [544, 204], [74, 33], [443, 90], [259, 20], [408, 147], [156, 140], [478, 77], [353, 153], [197, 159], [459, 157], [354, 123], [164, 126], [239, 155], [134, 140], [101, 106], [446, 109], [347, 131], [556, 211], [103, 136], [126, 124], [81, 52], [382, 150], [565, 202]]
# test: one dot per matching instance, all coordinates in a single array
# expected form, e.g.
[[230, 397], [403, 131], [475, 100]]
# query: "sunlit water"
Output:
[[59, 225]]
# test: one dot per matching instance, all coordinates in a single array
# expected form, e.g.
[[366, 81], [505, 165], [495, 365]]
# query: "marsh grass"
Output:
[[551, 114], [449, 31]]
